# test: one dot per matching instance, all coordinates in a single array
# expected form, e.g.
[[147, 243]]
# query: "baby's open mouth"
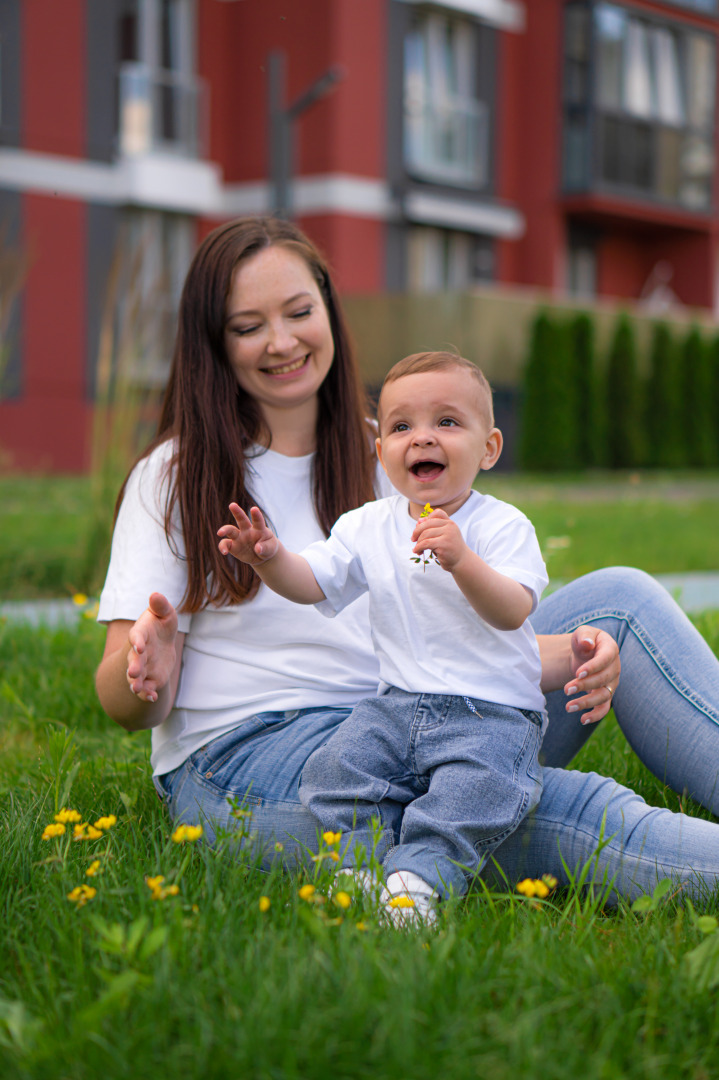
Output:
[[426, 470]]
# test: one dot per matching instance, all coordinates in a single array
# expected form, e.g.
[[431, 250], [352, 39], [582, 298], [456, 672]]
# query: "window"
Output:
[[646, 124], [446, 126], [161, 103], [442, 259], [581, 264], [156, 251]]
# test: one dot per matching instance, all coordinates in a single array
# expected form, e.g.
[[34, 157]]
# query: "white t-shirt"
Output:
[[260, 656], [427, 636]]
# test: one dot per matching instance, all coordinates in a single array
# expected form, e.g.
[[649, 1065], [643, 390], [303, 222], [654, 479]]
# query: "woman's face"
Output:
[[277, 331]]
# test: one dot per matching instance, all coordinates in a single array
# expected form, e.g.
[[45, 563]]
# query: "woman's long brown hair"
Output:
[[214, 422]]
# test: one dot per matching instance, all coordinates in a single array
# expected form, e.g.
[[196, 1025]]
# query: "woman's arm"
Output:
[[137, 677], [586, 660]]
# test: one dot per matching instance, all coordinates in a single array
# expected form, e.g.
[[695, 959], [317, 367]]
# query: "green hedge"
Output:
[[621, 410]]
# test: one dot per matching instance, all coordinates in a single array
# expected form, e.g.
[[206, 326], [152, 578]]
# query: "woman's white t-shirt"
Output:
[[264, 655]]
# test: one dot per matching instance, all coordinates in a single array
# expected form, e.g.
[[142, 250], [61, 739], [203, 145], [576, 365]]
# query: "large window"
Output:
[[445, 123], [639, 105], [446, 259], [161, 103]]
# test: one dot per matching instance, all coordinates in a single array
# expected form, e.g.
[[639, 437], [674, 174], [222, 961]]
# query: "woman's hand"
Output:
[[140, 668], [152, 658], [252, 541], [596, 667]]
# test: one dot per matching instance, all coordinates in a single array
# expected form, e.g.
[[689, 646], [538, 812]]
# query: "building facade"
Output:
[[562, 145]]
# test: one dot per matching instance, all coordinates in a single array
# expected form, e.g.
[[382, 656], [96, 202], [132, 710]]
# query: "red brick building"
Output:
[[563, 144]]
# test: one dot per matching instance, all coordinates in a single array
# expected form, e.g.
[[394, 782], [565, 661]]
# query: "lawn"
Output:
[[206, 984], [54, 531]]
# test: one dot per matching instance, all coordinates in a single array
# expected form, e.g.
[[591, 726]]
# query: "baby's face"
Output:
[[435, 436]]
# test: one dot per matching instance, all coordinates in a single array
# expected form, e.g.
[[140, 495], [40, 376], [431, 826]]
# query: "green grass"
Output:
[[54, 541], [206, 985]]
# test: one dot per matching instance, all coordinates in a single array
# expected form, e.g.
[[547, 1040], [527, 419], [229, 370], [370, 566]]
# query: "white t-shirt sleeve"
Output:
[[142, 561], [513, 550], [337, 566]]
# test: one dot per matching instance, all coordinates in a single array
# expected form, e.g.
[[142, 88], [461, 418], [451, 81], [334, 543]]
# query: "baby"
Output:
[[446, 755]]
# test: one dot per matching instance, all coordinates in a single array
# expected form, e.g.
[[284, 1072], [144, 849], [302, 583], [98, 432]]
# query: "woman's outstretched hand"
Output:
[[151, 660], [596, 666], [252, 541]]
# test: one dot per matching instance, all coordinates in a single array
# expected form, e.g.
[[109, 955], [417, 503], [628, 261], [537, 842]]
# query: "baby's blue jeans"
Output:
[[448, 779]]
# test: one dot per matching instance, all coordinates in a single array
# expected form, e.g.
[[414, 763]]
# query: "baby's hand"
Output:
[[439, 534], [252, 541]]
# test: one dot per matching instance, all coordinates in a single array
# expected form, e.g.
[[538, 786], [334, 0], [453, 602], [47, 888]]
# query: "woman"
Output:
[[264, 406]]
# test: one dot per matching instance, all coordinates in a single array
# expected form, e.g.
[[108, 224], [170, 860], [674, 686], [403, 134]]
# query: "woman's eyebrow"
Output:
[[253, 311]]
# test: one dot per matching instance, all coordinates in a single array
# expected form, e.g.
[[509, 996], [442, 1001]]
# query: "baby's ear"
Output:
[[378, 447], [492, 449]]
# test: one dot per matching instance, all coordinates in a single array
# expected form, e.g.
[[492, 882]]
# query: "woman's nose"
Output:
[[280, 338]]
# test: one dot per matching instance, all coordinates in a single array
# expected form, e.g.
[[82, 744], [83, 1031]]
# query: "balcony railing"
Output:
[[448, 142], [161, 110]]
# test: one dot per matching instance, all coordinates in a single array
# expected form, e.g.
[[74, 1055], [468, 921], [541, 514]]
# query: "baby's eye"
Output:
[[401, 426], [447, 421]]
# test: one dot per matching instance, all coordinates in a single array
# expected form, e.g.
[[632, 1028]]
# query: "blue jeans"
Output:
[[667, 704], [449, 777]]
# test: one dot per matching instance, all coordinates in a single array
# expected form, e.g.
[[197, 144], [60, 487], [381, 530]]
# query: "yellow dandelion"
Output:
[[331, 838], [540, 890], [93, 833], [106, 822], [427, 511], [81, 894], [401, 901], [172, 890], [526, 887], [187, 834], [342, 899], [93, 868], [279, 846], [56, 829], [264, 904], [334, 856], [66, 815], [550, 881], [361, 925], [307, 892], [79, 599], [79, 831], [154, 883]]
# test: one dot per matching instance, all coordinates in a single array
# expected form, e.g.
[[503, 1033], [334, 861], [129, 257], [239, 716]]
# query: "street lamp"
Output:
[[281, 119]]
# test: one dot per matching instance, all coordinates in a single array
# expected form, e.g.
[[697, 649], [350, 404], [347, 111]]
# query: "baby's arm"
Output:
[[498, 599], [253, 542]]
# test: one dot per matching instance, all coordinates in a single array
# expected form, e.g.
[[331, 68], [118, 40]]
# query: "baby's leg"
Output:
[[485, 779], [361, 776]]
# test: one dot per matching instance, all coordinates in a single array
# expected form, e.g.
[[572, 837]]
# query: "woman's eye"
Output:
[[302, 314], [241, 331]]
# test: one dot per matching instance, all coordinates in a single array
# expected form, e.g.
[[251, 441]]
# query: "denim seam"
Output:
[[656, 655]]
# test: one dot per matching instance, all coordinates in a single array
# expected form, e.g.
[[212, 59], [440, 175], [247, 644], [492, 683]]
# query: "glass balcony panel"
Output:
[[447, 141], [160, 110], [669, 142], [701, 78]]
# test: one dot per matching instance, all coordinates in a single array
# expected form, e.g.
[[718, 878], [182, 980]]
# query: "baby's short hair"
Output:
[[419, 363]]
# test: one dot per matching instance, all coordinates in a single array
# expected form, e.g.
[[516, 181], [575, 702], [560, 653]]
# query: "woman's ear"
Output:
[[493, 449]]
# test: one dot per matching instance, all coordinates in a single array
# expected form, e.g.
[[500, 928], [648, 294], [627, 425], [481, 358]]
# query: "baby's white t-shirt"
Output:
[[427, 636], [264, 655]]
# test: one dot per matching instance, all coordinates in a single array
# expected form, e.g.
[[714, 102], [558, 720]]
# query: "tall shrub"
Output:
[[548, 437], [665, 445], [624, 400], [589, 419], [713, 354], [697, 416]]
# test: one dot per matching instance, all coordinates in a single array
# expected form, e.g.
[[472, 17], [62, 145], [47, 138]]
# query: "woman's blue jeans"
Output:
[[667, 704]]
